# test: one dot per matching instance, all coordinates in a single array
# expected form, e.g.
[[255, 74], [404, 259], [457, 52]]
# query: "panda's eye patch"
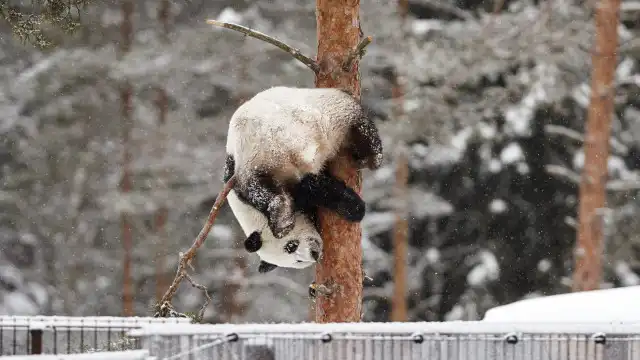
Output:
[[291, 246]]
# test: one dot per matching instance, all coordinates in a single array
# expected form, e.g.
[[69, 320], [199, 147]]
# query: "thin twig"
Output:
[[164, 308], [312, 64], [207, 300], [356, 53]]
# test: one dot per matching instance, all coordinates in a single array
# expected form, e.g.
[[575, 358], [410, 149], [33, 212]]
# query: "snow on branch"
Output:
[[574, 177], [310, 63], [164, 307], [615, 144], [563, 172]]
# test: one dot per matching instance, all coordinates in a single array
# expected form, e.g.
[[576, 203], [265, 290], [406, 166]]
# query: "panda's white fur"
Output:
[[271, 250], [287, 133]]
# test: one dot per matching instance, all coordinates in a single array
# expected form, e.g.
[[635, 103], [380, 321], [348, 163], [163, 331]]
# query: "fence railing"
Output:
[[22, 335], [393, 341], [110, 355]]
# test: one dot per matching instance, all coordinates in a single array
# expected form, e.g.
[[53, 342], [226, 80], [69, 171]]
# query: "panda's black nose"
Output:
[[315, 255]]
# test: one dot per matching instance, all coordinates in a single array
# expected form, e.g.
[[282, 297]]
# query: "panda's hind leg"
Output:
[[273, 201], [365, 144], [324, 190]]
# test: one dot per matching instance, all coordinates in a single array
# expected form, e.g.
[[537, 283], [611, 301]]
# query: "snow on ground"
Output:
[[610, 305]]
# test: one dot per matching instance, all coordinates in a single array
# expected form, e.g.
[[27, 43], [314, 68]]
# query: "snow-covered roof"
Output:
[[610, 305]]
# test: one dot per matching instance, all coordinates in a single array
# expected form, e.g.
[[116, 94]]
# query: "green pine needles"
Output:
[[31, 20]]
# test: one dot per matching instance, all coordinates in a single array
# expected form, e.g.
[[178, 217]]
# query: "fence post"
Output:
[[36, 340]]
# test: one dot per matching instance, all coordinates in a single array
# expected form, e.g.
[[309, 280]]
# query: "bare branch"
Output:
[[310, 63], [356, 53], [164, 308]]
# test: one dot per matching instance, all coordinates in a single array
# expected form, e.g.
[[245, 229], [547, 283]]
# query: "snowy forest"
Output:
[[112, 152]]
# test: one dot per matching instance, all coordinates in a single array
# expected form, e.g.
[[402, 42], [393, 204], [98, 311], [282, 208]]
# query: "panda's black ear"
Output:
[[265, 267], [254, 242]]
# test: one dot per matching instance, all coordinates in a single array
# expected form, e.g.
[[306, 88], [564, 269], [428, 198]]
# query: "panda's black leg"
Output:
[[331, 193], [229, 168], [275, 203], [366, 146]]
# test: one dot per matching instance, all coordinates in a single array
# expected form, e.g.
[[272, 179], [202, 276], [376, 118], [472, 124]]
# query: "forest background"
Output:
[[494, 104]]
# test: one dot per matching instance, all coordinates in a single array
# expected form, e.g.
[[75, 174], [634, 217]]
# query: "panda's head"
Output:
[[300, 248]]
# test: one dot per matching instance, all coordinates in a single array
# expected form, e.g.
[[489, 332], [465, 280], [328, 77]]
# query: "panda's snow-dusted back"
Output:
[[278, 144]]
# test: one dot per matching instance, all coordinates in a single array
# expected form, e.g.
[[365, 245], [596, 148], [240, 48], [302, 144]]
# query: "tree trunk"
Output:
[[401, 227], [160, 220], [162, 212], [338, 32], [589, 247], [125, 183]]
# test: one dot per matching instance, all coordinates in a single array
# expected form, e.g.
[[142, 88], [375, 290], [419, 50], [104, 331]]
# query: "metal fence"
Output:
[[393, 341], [107, 355], [22, 335]]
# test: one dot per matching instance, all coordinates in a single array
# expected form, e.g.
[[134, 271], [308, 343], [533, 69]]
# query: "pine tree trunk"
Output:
[[125, 183], [338, 32], [162, 212], [401, 226], [589, 247]]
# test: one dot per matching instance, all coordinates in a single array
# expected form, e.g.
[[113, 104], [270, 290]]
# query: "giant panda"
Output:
[[278, 145]]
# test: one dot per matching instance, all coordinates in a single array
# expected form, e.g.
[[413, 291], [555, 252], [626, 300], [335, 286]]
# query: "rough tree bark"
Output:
[[125, 182], [160, 218], [588, 252], [401, 227], [338, 33]]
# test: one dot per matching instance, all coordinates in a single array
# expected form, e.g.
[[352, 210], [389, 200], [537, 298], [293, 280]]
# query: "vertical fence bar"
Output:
[[36, 341], [15, 338]]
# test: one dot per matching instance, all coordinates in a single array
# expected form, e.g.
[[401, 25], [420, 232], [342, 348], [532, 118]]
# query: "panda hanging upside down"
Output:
[[278, 145]]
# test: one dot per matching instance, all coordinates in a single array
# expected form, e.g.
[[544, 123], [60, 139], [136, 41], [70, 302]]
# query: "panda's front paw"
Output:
[[281, 216], [351, 207], [372, 162], [375, 161]]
